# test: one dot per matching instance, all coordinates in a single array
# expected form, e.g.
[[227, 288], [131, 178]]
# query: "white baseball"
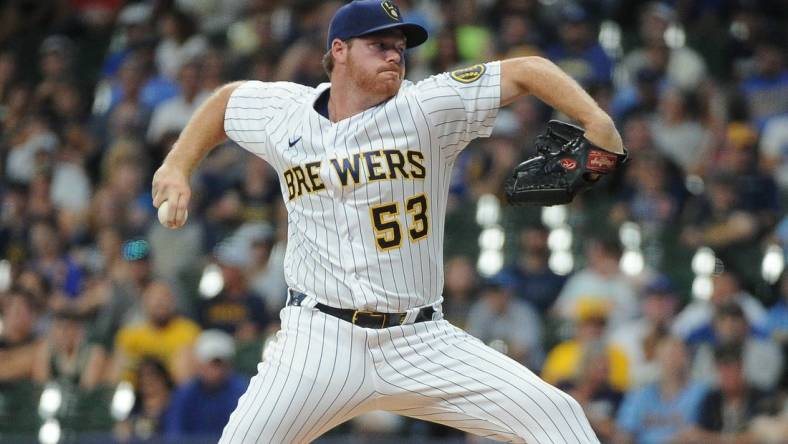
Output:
[[164, 208]]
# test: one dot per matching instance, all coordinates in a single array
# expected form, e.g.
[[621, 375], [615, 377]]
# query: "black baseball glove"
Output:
[[566, 164]]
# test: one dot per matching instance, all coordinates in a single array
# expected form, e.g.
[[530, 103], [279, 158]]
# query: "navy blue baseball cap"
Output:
[[362, 17]]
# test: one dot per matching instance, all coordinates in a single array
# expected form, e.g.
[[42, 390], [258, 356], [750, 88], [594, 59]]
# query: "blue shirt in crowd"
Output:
[[196, 410], [777, 320], [653, 420]]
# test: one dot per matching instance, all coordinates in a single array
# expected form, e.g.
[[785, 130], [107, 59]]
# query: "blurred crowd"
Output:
[[143, 332]]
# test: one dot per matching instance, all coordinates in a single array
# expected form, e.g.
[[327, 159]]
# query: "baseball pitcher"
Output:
[[364, 164]]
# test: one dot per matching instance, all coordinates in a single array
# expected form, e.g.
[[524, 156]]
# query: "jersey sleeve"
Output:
[[254, 109], [463, 104]]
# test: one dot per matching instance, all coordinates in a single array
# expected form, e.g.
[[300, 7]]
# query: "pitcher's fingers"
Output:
[[154, 193], [180, 210], [159, 196], [172, 201]]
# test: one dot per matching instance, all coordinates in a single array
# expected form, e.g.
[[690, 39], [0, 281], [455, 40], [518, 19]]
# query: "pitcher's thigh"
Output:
[[469, 386], [313, 378]]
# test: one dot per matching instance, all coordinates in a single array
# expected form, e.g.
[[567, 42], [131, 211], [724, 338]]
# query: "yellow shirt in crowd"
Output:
[[143, 340], [563, 361]]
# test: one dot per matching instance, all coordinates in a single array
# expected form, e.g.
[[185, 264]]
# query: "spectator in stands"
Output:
[[658, 413], [726, 289], [639, 338], [39, 203], [66, 356], [251, 33], [777, 326], [725, 413], [637, 134], [157, 86], [106, 213], [18, 339], [563, 361], [134, 21], [236, 309], [214, 69], [474, 40], [180, 42], [201, 407], [578, 51], [17, 106], [13, 224], [224, 211], [679, 66], [260, 193], [8, 73], [301, 63], [756, 191], [679, 133], [127, 113], [639, 99], [163, 335], [460, 289], [152, 396], [171, 115], [123, 172], [535, 282], [32, 144], [652, 197], [122, 303], [56, 64], [766, 90], [591, 388], [447, 53], [178, 253], [761, 358], [498, 316], [34, 283], [531, 118], [720, 220], [773, 149], [519, 37], [600, 279], [266, 264], [71, 188], [63, 274], [489, 164]]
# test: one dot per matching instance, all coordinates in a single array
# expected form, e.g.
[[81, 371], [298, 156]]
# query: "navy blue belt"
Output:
[[363, 318]]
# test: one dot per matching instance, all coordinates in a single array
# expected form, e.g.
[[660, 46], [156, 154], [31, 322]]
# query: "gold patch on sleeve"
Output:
[[469, 74]]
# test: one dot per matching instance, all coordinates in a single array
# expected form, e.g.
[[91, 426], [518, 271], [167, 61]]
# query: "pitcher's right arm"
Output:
[[202, 133]]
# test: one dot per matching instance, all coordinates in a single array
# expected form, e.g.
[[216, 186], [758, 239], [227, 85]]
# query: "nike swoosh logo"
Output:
[[291, 143]]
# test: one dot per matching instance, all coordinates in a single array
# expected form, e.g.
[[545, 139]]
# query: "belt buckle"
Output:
[[371, 314]]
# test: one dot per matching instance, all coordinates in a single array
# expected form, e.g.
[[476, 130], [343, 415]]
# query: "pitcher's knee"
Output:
[[572, 402], [562, 420]]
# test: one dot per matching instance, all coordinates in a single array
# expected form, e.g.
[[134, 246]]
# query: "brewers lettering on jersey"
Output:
[[364, 164]]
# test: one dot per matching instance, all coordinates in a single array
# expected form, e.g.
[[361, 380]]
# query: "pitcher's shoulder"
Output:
[[283, 90]]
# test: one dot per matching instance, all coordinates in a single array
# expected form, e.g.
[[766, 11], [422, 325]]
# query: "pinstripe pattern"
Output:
[[331, 250], [321, 371]]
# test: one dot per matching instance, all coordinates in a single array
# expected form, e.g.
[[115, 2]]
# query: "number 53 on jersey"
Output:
[[386, 222]]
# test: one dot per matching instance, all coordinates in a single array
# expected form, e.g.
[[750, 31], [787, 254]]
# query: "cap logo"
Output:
[[469, 74], [391, 10]]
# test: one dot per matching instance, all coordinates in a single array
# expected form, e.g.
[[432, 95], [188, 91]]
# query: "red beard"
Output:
[[370, 83]]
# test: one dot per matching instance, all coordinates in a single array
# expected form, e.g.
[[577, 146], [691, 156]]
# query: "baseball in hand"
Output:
[[164, 208]]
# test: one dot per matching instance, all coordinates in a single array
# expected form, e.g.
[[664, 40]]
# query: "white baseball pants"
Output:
[[321, 371]]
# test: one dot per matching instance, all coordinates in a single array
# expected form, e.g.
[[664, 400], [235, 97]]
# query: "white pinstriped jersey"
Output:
[[366, 196]]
